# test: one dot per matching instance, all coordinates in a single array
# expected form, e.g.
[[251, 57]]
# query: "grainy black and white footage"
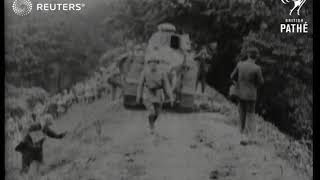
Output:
[[158, 89]]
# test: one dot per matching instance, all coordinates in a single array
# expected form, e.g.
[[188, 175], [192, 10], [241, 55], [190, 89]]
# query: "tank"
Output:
[[174, 52]]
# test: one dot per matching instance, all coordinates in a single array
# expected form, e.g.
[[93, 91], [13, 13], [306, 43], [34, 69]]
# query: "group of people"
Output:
[[21, 127], [82, 92], [88, 91], [28, 131], [246, 77]]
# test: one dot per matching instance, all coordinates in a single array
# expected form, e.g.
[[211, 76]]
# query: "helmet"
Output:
[[46, 120], [166, 27], [152, 56], [153, 60]]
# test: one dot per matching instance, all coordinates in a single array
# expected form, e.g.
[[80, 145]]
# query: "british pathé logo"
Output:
[[294, 25], [22, 7], [297, 5]]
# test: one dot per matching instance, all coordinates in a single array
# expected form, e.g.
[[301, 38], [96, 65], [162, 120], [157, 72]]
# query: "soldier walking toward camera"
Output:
[[248, 77], [151, 82], [115, 81]]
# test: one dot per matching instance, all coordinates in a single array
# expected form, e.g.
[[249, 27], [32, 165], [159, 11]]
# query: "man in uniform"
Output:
[[39, 108], [80, 92], [32, 139], [100, 86], [71, 98], [203, 57], [248, 77], [94, 89], [115, 82], [86, 89], [65, 100], [154, 81], [60, 104]]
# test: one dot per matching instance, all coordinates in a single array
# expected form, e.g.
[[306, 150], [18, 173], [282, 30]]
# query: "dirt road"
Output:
[[107, 142]]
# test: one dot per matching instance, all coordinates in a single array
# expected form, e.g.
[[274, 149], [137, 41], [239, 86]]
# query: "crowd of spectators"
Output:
[[45, 110]]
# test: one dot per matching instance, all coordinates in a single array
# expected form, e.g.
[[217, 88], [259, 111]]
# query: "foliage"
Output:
[[299, 153], [58, 52], [52, 53], [286, 59]]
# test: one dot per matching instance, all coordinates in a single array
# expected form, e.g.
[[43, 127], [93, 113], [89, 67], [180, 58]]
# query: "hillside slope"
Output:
[[187, 146]]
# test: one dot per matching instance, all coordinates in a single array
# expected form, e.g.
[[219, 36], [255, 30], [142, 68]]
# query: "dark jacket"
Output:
[[249, 77]]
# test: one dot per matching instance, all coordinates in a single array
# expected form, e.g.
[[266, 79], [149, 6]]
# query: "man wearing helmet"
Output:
[[151, 82], [32, 138]]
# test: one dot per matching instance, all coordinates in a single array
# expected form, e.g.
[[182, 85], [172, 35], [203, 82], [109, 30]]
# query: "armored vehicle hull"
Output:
[[176, 61]]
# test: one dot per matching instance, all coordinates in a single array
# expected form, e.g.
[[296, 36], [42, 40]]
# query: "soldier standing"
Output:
[[203, 66], [115, 81], [59, 102], [151, 82]]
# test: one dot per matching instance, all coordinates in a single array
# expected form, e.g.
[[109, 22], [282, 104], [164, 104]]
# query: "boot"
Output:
[[151, 123]]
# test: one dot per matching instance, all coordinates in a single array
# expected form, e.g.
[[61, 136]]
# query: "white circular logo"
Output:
[[22, 7]]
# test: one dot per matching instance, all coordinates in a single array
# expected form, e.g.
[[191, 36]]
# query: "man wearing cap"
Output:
[[248, 77], [80, 92], [151, 82], [39, 108], [203, 57], [115, 81]]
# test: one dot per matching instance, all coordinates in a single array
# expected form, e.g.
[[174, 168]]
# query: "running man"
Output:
[[151, 84], [32, 138]]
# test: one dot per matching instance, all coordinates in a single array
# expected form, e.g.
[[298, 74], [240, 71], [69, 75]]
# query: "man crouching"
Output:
[[32, 141]]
